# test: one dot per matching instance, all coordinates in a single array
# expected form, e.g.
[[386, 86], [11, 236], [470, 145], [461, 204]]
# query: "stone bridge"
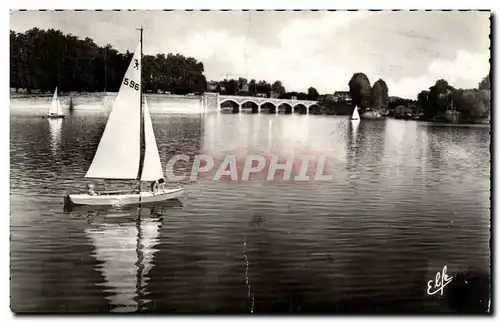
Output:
[[257, 104]]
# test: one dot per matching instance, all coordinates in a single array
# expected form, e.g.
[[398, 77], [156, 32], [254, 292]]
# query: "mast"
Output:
[[105, 68], [142, 139]]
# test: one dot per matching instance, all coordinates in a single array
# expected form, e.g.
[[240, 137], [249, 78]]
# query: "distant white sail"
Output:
[[55, 107], [59, 109], [355, 114], [151, 169], [118, 153]]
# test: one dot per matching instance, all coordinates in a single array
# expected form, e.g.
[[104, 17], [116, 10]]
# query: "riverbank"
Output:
[[194, 104], [104, 100]]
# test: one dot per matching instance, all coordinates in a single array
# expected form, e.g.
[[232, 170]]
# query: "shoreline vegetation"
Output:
[[41, 60]]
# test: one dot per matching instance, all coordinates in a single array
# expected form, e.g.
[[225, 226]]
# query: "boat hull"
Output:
[[121, 199], [54, 116]]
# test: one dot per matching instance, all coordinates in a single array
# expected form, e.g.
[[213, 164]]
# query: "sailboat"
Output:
[[355, 114], [120, 155], [55, 111]]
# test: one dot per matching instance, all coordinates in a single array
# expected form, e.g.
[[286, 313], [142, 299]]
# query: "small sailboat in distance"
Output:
[[55, 111], [355, 114], [127, 150]]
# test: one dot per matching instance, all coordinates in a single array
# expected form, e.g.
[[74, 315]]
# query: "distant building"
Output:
[[243, 88], [342, 96]]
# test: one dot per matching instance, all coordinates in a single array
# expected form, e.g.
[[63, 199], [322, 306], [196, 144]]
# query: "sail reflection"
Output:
[[353, 146], [55, 126], [125, 244], [354, 131]]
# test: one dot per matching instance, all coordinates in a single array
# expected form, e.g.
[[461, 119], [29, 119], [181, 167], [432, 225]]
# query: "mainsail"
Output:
[[55, 107], [151, 170], [119, 152], [355, 114]]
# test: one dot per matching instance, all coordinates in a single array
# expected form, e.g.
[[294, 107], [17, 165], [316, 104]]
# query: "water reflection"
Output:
[[354, 130], [125, 242], [55, 132], [352, 144], [368, 240]]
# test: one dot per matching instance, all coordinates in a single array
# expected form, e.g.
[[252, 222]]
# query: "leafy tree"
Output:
[[263, 87], [252, 87], [360, 89], [440, 99], [379, 96], [485, 83], [472, 103], [312, 94], [278, 88], [423, 97], [44, 59]]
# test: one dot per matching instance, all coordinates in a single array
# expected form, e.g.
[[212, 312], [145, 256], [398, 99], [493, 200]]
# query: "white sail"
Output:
[[151, 169], [355, 114], [55, 107], [125, 253], [118, 153], [59, 109]]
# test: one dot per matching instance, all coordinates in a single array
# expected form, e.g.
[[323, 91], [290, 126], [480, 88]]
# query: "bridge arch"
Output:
[[234, 105], [314, 108], [287, 108], [300, 108], [253, 105], [272, 107]]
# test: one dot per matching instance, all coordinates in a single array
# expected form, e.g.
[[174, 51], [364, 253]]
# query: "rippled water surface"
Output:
[[407, 198]]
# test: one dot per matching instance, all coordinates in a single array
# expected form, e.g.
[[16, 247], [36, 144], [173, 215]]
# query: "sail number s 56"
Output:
[[131, 84]]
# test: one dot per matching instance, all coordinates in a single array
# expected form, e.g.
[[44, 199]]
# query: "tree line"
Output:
[[43, 59], [243, 87], [442, 98], [436, 103]]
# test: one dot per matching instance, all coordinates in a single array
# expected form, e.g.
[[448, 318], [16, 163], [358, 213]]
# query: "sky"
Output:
[[322, 49]]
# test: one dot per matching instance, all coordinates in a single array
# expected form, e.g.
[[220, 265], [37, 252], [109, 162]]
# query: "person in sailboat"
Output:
[[156, 185], [91, 190], [161, 184]]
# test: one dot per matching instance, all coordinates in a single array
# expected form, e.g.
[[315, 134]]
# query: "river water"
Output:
[[407, 198]]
